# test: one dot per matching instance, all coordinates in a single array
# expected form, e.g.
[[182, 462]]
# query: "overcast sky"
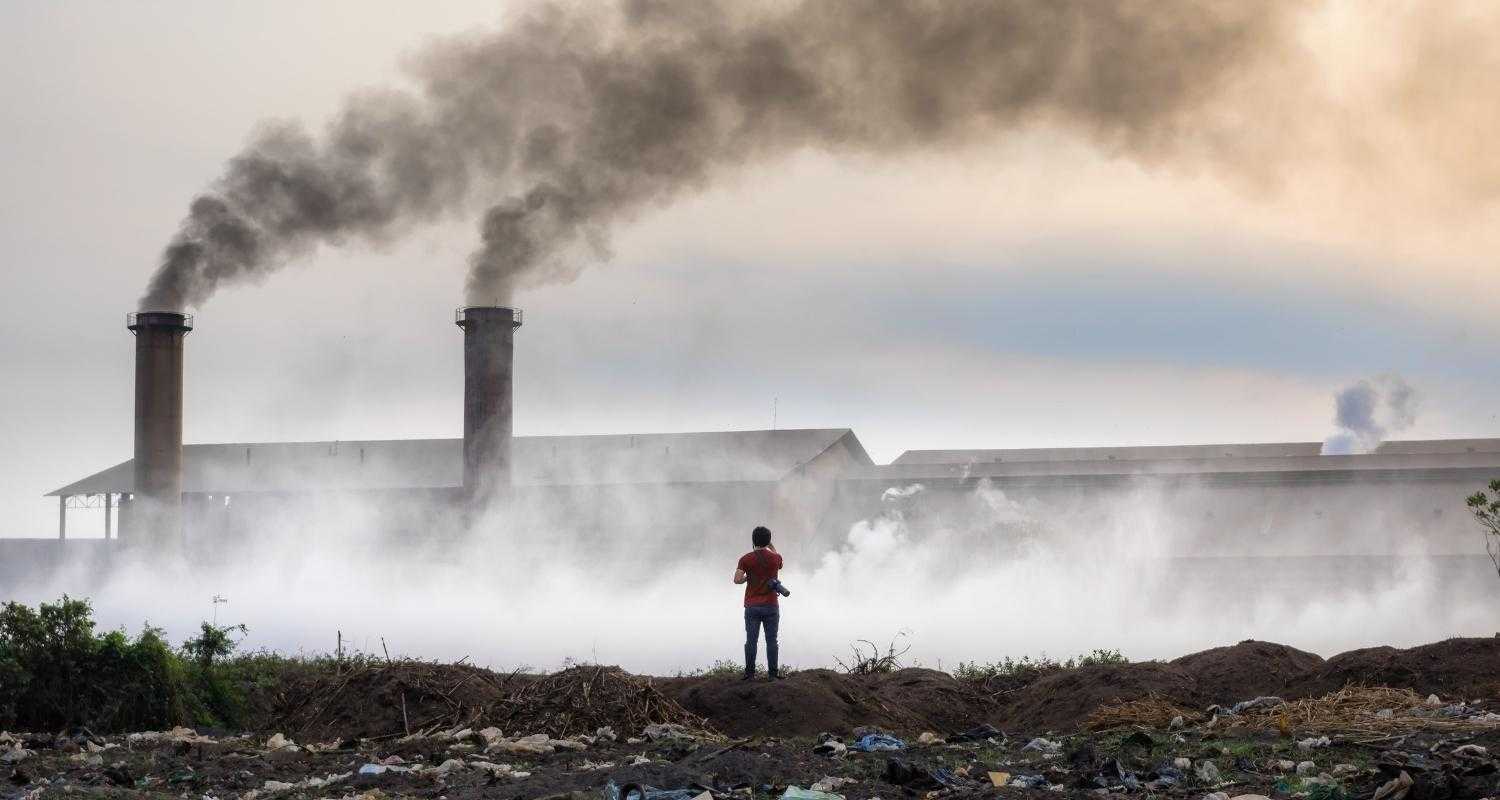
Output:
[[1029, 292]]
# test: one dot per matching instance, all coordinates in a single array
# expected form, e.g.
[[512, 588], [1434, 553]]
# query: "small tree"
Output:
[[1487, 512], [212, 643]]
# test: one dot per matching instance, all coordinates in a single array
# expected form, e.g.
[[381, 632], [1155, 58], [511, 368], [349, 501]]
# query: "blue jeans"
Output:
[[756, 616]]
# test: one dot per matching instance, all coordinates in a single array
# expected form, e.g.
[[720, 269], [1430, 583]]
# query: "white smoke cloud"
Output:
[[1154, 570], [1368, 411]]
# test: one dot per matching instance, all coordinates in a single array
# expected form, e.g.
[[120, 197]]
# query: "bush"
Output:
[[57, 673]]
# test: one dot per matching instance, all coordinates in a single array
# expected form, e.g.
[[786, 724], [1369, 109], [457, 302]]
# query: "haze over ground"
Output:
[[1029, 292]]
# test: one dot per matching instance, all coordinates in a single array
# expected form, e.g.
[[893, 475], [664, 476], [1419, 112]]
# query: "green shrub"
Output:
[[56, 673], [1027, 668]]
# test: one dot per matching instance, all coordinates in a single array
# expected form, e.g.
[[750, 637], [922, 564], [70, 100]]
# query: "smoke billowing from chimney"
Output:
[[1368, 411], [579, 117]]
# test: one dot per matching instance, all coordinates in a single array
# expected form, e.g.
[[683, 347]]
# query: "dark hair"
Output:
[[761, 536]]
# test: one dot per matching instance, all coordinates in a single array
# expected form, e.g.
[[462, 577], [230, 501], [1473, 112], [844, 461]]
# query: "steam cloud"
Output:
[[1368, 411], [578, 118]]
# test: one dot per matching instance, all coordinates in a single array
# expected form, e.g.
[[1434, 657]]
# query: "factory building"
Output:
[[687, 494]]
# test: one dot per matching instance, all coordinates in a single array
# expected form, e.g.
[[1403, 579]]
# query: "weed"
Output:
[[873, 662], [1028, 668]]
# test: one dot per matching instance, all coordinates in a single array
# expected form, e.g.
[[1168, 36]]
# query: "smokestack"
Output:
[[156, 510], [489, 350]]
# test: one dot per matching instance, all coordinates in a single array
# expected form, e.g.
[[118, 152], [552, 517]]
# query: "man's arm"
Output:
[[740, 576]]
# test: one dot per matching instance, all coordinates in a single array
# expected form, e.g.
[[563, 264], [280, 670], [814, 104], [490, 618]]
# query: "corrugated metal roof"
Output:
[[713, 457], [1408, 457], [1192, 452]]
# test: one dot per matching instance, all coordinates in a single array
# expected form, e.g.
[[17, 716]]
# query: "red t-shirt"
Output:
[[761, 566]]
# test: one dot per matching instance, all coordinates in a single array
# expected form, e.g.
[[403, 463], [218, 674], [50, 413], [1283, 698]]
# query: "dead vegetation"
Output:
[[1360, 709], [583, 699], [1152, 711]]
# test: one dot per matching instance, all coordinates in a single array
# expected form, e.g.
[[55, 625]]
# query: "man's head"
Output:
[[761, 536]]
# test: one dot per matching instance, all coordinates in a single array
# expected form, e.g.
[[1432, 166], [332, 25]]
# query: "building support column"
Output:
[[109, 513], [62, 516]]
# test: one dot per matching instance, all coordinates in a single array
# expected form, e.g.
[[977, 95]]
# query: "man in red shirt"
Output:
[[756, 570]]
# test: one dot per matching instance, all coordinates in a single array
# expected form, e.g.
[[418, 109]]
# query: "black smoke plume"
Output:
[[577, 118]]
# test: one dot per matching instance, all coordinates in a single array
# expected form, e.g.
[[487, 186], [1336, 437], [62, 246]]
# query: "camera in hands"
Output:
[[775, 584]]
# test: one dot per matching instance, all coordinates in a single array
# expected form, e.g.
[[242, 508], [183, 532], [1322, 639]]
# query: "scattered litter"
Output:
[[1313, 743], [912, 776], [1182, 763], [832, 748], [930, 738], [979, 734], [1208, 772], [877, 742], [16, 754], [637, 791], [1306, 769], [1028, 782], [1267, 701], [1394, 789], [1041, 745], [795, 793], [831, 782], [666, 730], [448, 766], [1471, 750], [1216, 796], [496, 770], [998, 779]]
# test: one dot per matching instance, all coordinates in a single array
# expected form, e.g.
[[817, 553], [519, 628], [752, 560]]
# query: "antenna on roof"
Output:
[[773, 412]]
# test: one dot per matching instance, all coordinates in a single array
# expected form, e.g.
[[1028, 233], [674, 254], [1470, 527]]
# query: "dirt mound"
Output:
[[1468, 668], [1227, 675], [818, 700], [935, 700], [1063, 700], [380, 699], [370, 698]]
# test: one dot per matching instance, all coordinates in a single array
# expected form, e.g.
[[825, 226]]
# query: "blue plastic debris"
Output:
[[876, 742]]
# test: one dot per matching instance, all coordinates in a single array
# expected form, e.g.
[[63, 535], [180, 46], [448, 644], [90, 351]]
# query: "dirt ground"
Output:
[[427, 730]]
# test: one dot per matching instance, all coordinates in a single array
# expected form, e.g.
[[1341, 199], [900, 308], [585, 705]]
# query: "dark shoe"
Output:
[[747, 676], [773, 677]]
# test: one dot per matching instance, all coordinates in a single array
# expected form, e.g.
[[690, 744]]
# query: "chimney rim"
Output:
[[136, 320], [465, 314]]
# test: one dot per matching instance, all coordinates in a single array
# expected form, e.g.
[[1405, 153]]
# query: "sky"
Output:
[[1027, 291]]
